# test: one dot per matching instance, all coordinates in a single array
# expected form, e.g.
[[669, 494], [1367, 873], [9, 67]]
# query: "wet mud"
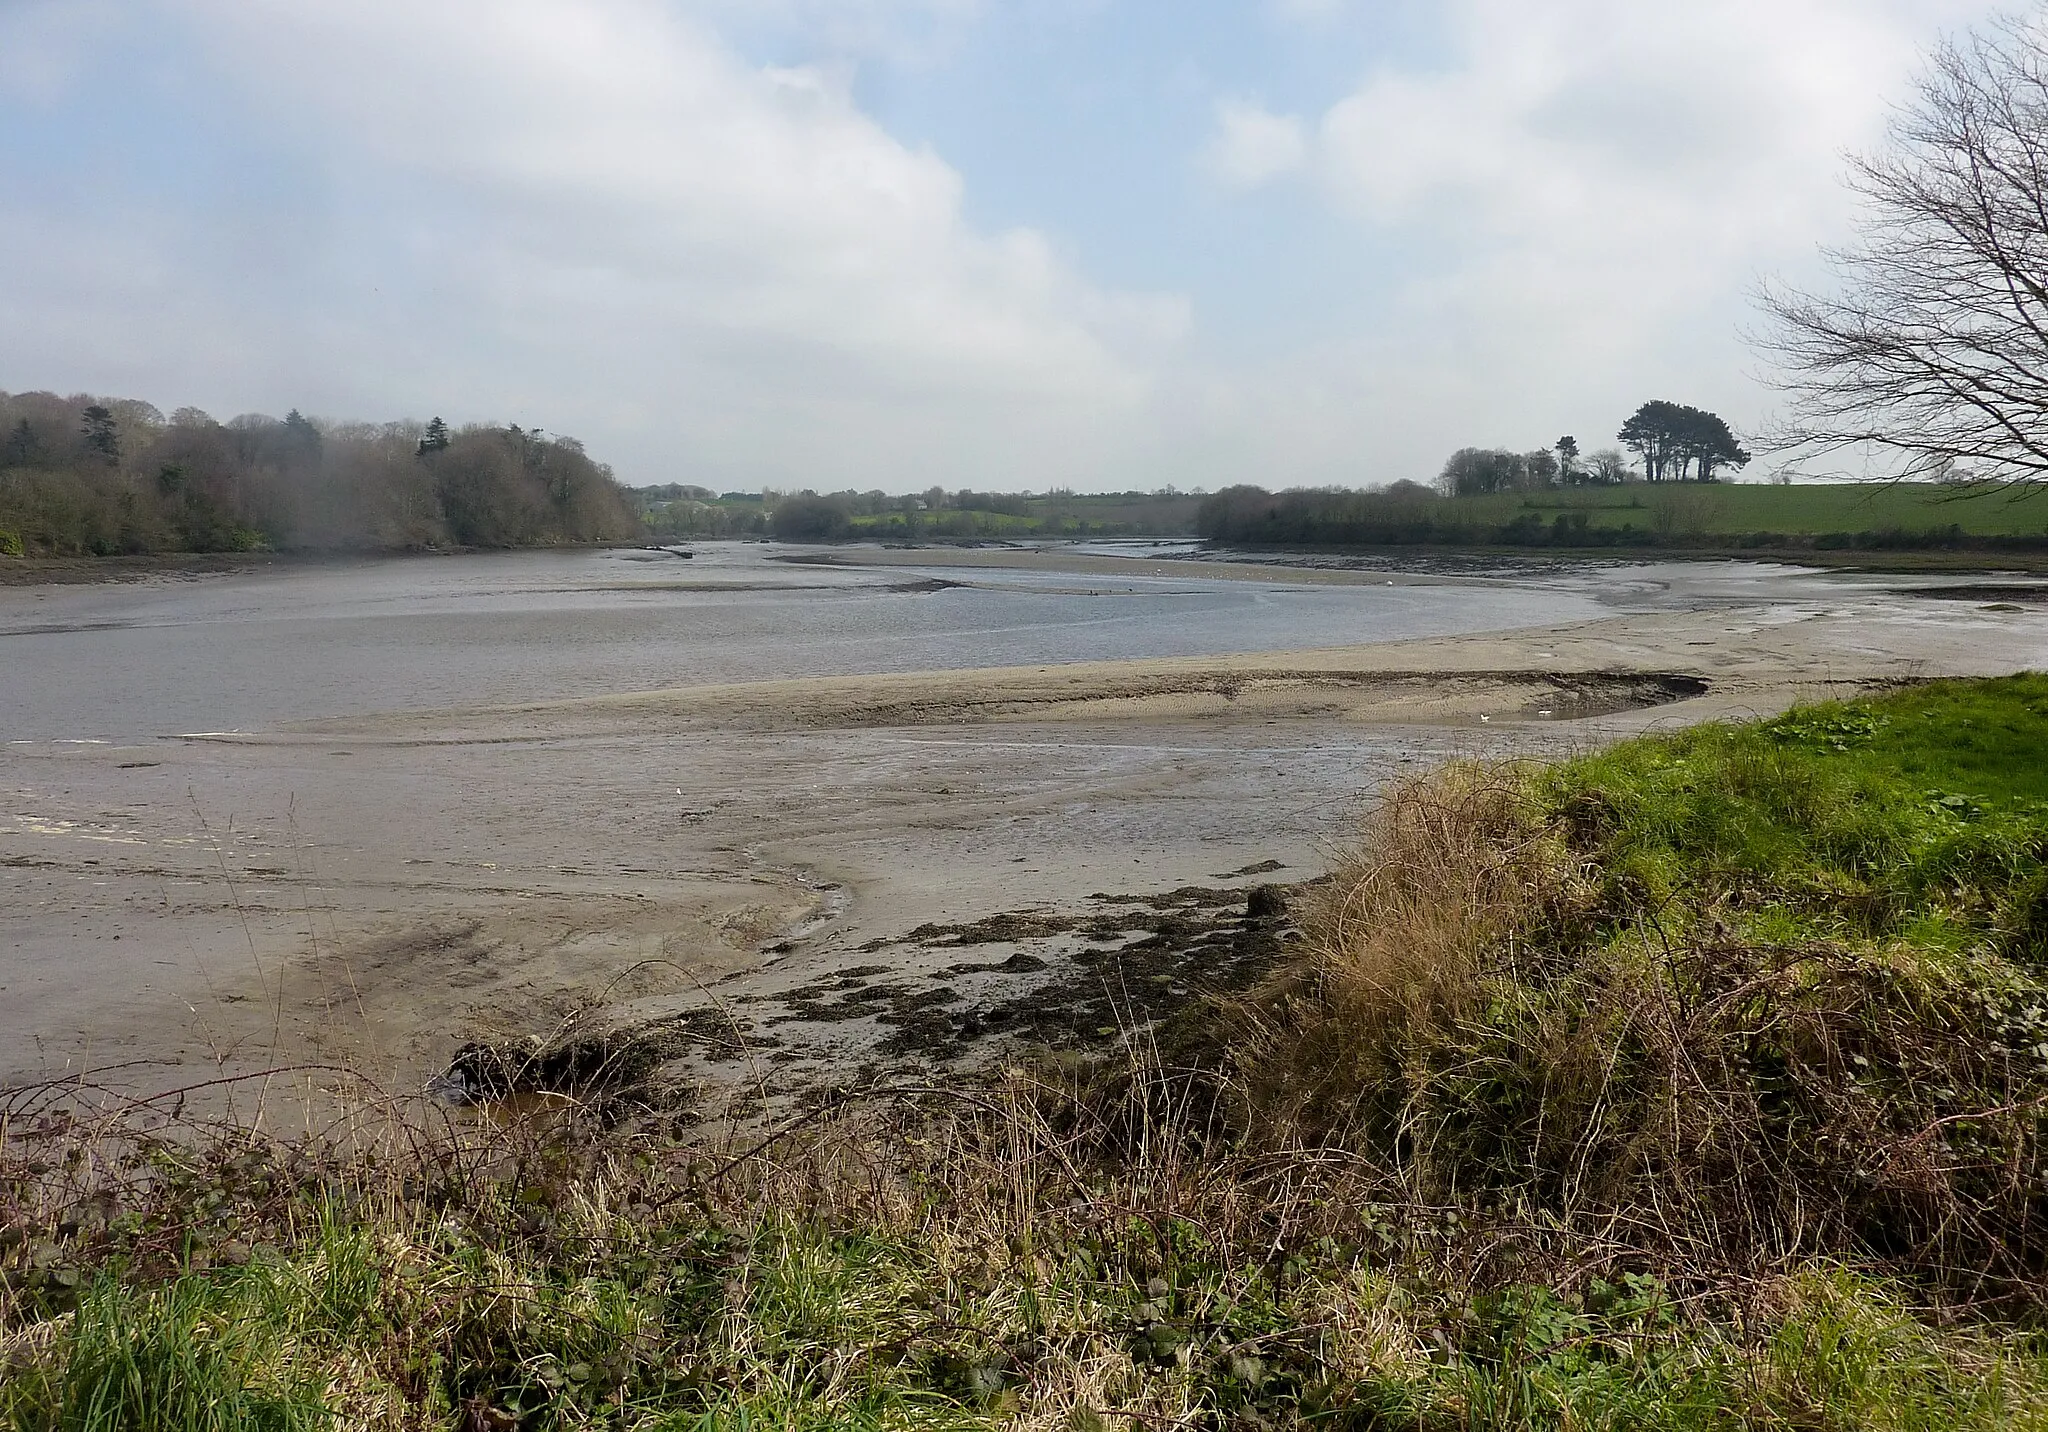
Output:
[[742, 882]]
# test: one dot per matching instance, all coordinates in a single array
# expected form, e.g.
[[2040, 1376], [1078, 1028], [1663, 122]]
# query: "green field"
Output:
[[1802, 509], [1935, 524], [1913, 517], [1113, 514]]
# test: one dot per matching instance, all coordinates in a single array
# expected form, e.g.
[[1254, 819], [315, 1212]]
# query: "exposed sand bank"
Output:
[[757, 858], [1740, 659]]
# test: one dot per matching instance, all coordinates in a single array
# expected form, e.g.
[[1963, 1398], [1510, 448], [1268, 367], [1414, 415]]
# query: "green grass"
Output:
[[1797, 509], [1928, 802], [1915, 524], [794, 1327], [1048, 515], [1074, 515], [1763, 991]]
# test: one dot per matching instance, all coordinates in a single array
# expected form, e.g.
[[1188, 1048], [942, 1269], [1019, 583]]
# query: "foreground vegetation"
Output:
[[83, 476], [1699, 517], [1697, 1083]]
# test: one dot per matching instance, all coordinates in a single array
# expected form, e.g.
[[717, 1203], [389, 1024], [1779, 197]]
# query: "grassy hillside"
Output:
[[1681, 516], [1696, 1083], [1798, 509], [1112, 514]]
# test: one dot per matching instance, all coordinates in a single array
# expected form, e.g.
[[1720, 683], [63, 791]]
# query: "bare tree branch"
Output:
[[1933, 351]]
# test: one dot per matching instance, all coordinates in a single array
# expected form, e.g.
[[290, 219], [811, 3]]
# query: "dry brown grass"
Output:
[[1107, 1249], [1446, 875]]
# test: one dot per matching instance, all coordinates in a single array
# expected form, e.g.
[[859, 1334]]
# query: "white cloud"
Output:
[[1587, 188], [596, 216], [910, 33], [1253, 146]]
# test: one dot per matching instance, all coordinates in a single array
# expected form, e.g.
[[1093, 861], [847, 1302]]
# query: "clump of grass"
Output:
[[1901, 814]]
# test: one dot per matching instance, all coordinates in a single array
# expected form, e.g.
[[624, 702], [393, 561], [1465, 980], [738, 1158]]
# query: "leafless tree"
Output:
[[1607, 466], [1933, 350]]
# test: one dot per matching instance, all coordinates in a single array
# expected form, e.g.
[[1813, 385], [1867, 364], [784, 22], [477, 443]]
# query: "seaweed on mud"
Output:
[[614, 1073], [1573, 697], [2035, 592], [1263, 867], [1019, 963], [1139, 964], [1141, 967], [810, 1005], [1201, 897]]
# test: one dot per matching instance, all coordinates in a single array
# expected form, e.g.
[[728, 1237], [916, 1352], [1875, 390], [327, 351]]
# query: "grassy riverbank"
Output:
[[1696, 1083]]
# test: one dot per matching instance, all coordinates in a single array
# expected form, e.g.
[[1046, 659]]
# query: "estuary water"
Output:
[[378, 896], [171, 656]]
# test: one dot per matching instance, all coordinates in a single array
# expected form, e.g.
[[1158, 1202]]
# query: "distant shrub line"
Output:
[[673, 510]]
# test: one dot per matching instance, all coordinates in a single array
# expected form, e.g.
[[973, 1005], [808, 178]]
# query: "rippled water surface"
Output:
[[238, 652]]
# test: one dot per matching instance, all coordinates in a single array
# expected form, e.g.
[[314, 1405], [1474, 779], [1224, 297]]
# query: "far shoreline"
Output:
[[141, 566], [1338, 563], [1306, 562]]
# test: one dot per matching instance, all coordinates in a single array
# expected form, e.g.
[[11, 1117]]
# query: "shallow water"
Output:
[[120, 662]]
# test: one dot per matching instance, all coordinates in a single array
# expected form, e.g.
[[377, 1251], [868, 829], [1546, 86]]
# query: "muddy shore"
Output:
[[773, 885]]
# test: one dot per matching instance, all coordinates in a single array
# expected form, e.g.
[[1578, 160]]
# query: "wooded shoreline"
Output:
[[82, 476]]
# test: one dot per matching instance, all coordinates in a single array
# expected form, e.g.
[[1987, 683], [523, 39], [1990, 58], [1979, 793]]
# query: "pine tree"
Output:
[[1673, 438], [1567, 458], [302, 439], [100, 433]]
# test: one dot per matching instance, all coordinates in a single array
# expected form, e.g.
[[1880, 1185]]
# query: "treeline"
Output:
[[1676, 442], [1410, 515], [82, 475], [679, 510]]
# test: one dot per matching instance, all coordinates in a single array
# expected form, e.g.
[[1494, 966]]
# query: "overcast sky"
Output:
[[892, 243]]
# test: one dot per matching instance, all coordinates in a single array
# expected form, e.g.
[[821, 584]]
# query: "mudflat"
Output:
[[777, 882]]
